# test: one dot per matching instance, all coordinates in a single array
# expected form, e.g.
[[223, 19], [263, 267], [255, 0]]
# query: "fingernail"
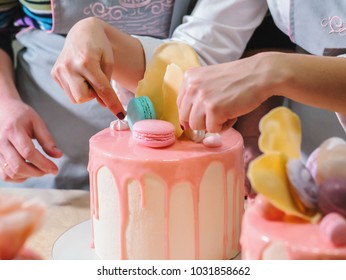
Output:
[[121, 116], [57, 152], [56, 149]]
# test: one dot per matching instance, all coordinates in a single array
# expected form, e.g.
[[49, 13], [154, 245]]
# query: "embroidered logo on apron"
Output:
[[318, 28], [335, 24]]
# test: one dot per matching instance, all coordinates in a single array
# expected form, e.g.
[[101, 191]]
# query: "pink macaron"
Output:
[[333, 229], [153, 133]]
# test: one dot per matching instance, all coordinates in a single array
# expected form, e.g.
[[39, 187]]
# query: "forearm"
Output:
[[312, 80], [7, 83]]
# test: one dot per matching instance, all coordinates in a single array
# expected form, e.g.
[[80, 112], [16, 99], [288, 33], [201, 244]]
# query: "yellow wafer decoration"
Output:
[[163, 77], [280, 140]]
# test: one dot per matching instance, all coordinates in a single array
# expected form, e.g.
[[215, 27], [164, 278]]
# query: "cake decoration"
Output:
[[195, 135], [163, 77], [140, 108], [333, 229], [332, 196], [119, 125], [184, 201], [161, 84], [279, 141], [153, 133], [300, 209], [303, 185], [331, 159], [212, 140]]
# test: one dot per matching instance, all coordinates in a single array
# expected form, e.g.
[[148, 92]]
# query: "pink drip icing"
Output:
[[241, 210], [123, 218], [225, 216], [167, 247], [195, 192], [234, 214], [92, 208], [185, 159]]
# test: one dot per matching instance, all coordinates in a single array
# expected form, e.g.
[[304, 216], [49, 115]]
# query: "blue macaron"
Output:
[[140, 108]]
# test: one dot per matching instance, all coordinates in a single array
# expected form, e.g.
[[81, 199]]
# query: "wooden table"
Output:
[[65, 208]]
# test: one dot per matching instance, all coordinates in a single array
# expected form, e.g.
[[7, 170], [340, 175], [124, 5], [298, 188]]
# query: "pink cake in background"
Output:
[[300, 209], [267, 237], [184, 201]]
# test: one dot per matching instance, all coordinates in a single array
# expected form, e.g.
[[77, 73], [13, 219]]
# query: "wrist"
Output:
[[277, 73]]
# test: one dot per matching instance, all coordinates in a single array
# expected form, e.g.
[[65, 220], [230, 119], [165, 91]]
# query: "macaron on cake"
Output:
[[140, 108], [157, 93], [153, 133], [156, 192], [299, 211]]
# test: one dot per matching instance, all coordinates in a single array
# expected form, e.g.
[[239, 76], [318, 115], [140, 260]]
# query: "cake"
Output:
[[158, 192], [184, 201], [300, 208]]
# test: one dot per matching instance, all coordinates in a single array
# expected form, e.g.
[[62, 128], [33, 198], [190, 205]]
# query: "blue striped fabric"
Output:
[[39, 12], [41, 21]]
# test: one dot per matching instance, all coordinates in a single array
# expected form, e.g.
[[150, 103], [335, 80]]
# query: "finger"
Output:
[[197, 116], [7, 178], [14, 166], [3, 167], [81, 90], [184, 90], [45, 139], [185, 107], [23, 144], [59, 76], [103, 89], [213, 123], [99, 100], [107, 65], [181, 93], [230, 123], [216, 119]]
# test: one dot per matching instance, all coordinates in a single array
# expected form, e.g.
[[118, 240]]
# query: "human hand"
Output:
[[212, 95], [18, 220], [19, 159], [84, 66]]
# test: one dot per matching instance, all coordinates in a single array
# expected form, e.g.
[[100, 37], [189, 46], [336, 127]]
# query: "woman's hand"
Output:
[[19, 159], [92, 54], [84, 67], [212, 95]]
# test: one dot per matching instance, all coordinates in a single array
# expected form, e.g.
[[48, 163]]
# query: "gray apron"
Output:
[[72, 125], [319, 27]]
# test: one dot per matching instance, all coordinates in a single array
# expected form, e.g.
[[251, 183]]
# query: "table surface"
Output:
[[64, 209]]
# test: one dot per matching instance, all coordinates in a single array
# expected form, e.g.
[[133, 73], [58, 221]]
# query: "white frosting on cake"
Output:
[[181, 202]]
